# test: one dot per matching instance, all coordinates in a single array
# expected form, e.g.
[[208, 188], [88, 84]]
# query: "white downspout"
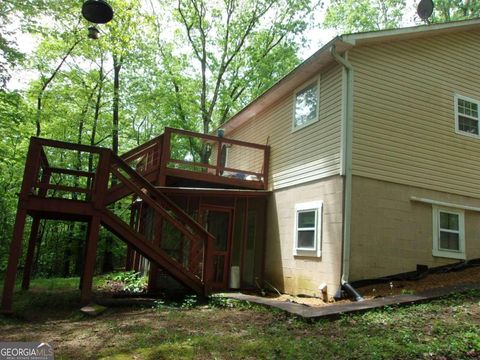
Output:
[[346, 154]]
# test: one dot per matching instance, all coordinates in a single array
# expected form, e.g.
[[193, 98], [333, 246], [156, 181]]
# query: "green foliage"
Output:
[[129, 281], [349, 16], [189, 302], [451, 10], [235, 50], [365, 15]]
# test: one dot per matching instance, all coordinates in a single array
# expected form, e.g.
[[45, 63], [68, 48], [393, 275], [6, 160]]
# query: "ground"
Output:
[[466, 276], [448, 328]]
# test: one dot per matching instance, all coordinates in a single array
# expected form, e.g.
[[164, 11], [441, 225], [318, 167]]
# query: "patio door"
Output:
[[218, 221]]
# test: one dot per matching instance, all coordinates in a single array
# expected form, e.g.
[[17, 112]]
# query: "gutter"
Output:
[[346, 166]]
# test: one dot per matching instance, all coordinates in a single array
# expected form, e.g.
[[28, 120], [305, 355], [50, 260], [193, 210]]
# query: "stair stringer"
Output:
[[118, 227]]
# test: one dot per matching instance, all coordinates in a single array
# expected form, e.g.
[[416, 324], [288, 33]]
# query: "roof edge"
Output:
[[418, 30], [250, 109], [321, 57]]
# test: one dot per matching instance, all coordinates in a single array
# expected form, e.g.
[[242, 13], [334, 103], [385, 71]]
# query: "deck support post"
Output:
[[32, 242], [157, 241], [90, 259], [13, 259], [133, 217]]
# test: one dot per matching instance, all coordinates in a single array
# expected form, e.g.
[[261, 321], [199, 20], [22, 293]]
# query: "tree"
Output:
[[350, 16], [451, 10], [228, 42], [22, 11], [123, 89]]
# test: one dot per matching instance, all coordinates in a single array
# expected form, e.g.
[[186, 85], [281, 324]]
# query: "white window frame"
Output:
[[457, 114], [316, 251], [295, 94], [448, 253]]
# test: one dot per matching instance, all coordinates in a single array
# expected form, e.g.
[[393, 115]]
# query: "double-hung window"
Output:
[[448, 233], [305, 109], [467, 118], [308, 229]]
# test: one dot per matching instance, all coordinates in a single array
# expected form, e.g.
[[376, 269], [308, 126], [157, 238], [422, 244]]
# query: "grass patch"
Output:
[[228, 329]]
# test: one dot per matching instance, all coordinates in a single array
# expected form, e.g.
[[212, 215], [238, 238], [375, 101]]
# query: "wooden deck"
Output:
[[175, 154], [52, 190]]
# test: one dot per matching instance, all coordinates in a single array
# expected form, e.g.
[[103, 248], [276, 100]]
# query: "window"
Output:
[[448, 233], [466, 116], [308, 229], [305, 109]]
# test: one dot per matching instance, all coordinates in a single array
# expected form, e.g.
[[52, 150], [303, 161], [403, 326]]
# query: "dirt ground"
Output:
[[431, 281]]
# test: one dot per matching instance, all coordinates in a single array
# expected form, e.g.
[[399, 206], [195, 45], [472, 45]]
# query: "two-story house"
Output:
[[374, 162]]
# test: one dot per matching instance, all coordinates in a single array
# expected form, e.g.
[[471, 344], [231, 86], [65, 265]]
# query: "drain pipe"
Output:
[[346, 167]]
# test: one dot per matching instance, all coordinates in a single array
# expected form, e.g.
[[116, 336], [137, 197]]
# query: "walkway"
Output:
[[344, 308]]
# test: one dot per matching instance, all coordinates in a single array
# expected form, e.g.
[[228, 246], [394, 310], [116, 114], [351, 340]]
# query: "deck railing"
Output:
[[47, 158], [214, 158]]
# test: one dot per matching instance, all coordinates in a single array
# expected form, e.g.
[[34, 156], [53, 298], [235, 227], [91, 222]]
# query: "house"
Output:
[[360, 163], [374, 157]]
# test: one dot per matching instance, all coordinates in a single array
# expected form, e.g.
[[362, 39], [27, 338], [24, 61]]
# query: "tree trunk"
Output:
[[107, 265]]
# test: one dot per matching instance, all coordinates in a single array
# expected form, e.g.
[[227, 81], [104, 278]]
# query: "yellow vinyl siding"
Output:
[[404, 120], [310, 153]]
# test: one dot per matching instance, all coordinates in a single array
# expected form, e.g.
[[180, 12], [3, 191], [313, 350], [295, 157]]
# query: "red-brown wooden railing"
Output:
[[249, 172], [109, 166]]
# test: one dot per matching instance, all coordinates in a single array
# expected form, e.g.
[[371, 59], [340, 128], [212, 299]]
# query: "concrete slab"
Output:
[[338, 309]]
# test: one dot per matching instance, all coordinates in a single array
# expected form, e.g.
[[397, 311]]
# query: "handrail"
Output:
[[217, 167], [67, 145], [153, 190], [152, 203], [215, 138], [71, 172], [135, 151]]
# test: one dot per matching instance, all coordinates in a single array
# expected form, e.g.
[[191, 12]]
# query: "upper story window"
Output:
[[467, 116], [305, 109], [308, 229], [448, 233]]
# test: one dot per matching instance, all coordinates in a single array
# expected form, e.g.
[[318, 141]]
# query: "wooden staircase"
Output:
[[93, 196], [52, 189]]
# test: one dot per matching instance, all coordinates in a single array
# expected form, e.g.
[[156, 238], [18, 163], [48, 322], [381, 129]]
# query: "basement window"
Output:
[[448, 233], [467, 116], [308, 229], [305, 110]]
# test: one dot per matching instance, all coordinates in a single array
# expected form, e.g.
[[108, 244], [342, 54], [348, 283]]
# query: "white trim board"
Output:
[[446, 204]]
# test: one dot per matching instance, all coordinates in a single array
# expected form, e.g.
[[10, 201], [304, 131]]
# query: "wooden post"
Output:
[[219, 157], [27, 271], [157, 241], [134, 210], [90, 257], [164, 157], [208, 265], [15, 253], [102, 177], [266, 162]]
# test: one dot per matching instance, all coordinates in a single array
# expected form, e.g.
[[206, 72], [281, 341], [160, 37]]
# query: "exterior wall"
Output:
[[299, 274], [404, 125], [391, 234], [307, 154]]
